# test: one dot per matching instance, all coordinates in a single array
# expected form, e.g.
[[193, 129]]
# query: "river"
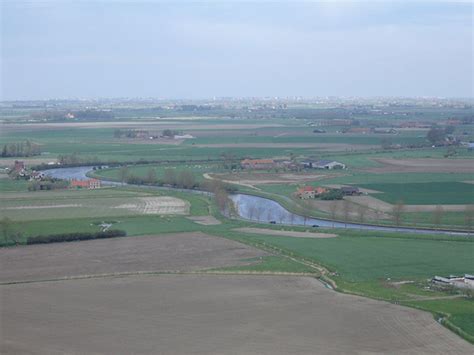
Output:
[[258, 209]]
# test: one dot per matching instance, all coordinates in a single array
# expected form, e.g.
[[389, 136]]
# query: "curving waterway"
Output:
[[257, 209]]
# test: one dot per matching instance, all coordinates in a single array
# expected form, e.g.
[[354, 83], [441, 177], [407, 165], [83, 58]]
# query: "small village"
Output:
[[41, 181]]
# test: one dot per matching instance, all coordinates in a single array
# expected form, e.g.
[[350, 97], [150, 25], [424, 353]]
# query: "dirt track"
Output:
[[210, 314], [171, 252], [427, 165]]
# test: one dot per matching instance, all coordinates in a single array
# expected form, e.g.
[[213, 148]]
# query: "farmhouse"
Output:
[[37, 175], [322, 164], [259, 164], [466, 281], [85, 184], [307, 192]]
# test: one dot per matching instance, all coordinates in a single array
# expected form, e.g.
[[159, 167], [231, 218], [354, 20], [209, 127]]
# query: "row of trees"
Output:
[[76, 159], [20, 149], [182, 178]]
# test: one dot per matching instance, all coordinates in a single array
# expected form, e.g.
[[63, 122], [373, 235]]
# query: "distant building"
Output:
[[257, 164], [85, 184], [466, 281], [19, 166], [184, 136], [37, 175], [322, 164], [307, 192], [350, 190]]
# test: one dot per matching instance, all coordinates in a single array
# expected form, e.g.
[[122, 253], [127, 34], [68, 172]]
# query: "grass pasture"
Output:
[[424, 193]]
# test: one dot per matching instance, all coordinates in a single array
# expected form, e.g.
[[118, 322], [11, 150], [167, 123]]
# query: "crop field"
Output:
[[424, 193], [158, 253], [26, 209], [359, 259], [184, 236], [230, 309], [369, 264]]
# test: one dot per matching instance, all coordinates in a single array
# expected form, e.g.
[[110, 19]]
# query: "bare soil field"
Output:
[[269, 178], [334, 147], [36, 209], [169, 252], [211, 314], [282, 233], [376, 204], [428, 165], [370, 213], [157, 205]]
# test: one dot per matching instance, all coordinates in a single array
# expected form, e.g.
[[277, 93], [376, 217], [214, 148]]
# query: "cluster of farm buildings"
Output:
[[267, 164], [20, 170], [308, 192], [466, 281]]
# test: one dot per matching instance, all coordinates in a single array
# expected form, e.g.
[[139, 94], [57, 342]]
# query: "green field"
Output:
[[424, 193]]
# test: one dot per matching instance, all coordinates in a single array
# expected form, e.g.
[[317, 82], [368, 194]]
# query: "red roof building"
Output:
[[85, 184]]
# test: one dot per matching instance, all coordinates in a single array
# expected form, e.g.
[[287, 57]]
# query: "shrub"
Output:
[[332, 195], [70, 237]]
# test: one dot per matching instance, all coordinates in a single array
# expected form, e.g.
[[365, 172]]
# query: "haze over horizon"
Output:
[[204, 50]]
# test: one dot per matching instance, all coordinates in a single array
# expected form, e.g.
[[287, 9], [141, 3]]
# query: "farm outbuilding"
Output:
[[323, 164]]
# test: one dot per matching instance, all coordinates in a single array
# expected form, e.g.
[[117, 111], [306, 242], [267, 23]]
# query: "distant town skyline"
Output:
[[187, 50]]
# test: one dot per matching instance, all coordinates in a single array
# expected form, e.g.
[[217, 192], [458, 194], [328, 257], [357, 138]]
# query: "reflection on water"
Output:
[[261, 209]]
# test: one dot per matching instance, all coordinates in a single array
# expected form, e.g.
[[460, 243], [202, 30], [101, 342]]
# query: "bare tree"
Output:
[[269, 214], [124, 174], [292, 218], [333, 211], [258, 212], [346, 209], [469, 217], [281, 216], [252, 211], [222, 198], [361, 212], [397, 212], [438, 215], [169, 177], [186, 179], [416, 216], [151, 176]]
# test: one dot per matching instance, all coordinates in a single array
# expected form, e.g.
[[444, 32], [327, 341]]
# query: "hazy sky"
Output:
[[177, 49]]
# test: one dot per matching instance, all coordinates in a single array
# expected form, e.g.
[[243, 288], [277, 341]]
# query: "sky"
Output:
[[197, 50]]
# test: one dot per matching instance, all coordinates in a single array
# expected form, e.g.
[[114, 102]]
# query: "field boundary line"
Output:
[[162, 272]]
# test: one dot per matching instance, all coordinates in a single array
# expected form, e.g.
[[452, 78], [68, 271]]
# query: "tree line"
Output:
[[20, 149]]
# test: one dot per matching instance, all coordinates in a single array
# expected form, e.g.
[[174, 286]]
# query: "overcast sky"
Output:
[[61, 49]]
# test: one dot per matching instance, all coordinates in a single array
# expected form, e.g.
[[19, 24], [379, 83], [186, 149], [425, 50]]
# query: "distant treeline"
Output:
[[75, 160], [182, 179], [71, 237], [20, 149]]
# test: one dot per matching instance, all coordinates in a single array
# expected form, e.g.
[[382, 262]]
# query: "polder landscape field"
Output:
[[188, 273]]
